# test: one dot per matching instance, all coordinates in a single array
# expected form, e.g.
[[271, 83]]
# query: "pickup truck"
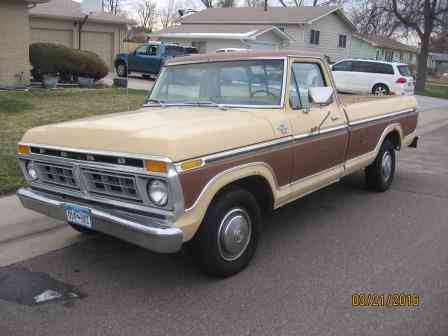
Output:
[[149, 58], [222, 140]]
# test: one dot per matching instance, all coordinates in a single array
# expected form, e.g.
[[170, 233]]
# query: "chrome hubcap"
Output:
[[386, 165], [234, 234], [380, 91], [121, 70]]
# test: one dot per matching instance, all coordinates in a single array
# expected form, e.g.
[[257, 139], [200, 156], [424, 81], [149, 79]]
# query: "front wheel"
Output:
[[122, 70], [380, 174], [228, 236]]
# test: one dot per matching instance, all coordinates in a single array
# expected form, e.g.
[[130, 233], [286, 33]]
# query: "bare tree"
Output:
[[146, 14], [207, 3], [423, 17], [169, 13], [254, 3], [112, 6], [218, 3], [370, 19]]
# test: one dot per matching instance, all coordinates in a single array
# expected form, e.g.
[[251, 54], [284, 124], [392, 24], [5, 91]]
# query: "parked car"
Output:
[[376, 77], [221, 141], [227, 50], [149, 58]]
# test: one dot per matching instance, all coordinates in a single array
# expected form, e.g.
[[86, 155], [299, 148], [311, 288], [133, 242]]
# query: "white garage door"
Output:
[[64, 37], [101, 44]]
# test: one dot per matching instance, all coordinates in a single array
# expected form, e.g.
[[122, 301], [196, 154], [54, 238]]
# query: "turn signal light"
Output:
[[24, 150], [156, 166], [401, 80]]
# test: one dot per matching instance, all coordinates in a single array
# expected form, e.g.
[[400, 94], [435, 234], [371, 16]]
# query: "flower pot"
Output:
[[85, 82], [50, 82]]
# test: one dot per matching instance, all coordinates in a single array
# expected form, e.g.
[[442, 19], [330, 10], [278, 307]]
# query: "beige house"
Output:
[[323, 29], [28, 21]]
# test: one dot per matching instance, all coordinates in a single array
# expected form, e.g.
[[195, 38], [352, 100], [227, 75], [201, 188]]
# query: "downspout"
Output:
[[80, 26]]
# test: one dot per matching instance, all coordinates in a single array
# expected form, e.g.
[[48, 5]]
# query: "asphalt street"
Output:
[[314, 255]]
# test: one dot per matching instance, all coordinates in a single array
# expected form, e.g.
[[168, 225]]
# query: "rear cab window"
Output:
[[174, 51], [303, 77]]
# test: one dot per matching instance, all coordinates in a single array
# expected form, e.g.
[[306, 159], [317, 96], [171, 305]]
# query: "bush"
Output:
[[50, 58]]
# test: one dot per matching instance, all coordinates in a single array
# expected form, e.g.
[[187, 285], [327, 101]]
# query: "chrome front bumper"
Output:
[[140, 230]]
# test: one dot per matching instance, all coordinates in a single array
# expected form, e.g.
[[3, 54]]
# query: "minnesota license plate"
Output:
[[75, 214]]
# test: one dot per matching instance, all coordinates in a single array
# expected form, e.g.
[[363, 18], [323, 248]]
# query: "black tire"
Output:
[[380, 174], [380, 90], [122, 69], [83, 230], [220, 227]]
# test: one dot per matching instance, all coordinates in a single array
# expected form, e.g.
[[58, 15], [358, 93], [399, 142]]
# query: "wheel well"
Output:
[[394, 137], [378, 84], [258, 186]]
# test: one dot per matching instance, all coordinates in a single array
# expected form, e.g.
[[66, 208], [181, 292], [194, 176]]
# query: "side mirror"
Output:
[[321, 95]]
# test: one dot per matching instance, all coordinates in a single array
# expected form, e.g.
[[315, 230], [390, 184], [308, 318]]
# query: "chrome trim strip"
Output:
[[306, 178], [246, 149], [389, 115], [99, 152]]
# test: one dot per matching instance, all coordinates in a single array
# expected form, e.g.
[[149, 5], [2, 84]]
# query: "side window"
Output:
[[304, 76], [359, 66], [343, 66], [153, 50], [386, 69], [141, 50]]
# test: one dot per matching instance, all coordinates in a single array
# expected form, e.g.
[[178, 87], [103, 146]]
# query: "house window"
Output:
[[314, 37], [282, 28], [342, 41]]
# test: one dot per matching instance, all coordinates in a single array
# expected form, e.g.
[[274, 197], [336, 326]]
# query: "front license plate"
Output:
[[75, 214]]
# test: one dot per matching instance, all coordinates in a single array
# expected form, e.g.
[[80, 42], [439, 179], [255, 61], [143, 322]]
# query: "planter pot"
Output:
[[50, 82], [85, 82]]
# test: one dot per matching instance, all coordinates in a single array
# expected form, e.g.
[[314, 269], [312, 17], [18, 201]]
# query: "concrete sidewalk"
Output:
[[135, 82], [25, 234]]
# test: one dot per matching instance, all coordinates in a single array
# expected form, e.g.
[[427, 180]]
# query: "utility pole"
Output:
[[265, 5]]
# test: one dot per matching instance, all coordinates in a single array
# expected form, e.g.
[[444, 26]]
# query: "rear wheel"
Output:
[[380, 90], [380, 174], [228, 236], [122, 70]]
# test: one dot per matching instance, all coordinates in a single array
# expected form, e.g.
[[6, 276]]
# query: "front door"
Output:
[[320, 132]]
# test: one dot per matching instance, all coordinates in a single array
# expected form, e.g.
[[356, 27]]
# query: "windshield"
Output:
[[258, 82], [404, 70]]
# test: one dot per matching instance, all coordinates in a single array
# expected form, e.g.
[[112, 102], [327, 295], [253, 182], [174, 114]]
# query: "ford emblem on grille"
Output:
[[64, 154], [121, 160]]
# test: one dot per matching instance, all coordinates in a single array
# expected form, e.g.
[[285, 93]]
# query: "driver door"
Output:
[[320, 132]]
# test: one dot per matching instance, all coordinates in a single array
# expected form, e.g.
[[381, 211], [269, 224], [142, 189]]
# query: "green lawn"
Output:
[[20, 111], [435, 91]]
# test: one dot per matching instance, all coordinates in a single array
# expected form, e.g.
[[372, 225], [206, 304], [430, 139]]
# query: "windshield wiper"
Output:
[[206, 103], [156, 101]]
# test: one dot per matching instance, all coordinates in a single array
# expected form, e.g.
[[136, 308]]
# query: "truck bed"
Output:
[[349, 99]]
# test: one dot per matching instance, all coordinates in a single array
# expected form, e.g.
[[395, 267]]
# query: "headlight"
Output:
[[158, 192], [31, 170]]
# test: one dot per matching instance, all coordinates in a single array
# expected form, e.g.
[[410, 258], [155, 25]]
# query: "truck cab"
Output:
[[222, 140], [149, 58]]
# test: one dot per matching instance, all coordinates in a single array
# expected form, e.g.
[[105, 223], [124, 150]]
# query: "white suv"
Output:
[[376, 77]]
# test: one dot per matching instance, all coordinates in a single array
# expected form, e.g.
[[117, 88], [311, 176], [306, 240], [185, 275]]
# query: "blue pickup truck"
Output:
[[149, 58]]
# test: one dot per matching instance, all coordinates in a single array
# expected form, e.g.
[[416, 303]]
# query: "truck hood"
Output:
[[178, 133]]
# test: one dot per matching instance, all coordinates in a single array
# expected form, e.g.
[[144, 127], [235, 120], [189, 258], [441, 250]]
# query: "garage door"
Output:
[[101, 44], [64, 37]]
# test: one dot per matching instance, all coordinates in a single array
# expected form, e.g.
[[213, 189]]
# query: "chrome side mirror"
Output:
[[321, 95]]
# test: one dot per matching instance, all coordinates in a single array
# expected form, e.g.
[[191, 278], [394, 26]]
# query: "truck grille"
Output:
[[113, 185], [57, 174]]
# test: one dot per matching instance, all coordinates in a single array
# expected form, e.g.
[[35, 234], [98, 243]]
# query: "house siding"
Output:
[[14, 55], [362, 49], [330, 27]]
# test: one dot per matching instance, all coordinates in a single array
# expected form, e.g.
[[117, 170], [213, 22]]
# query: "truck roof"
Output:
[[212, 57]]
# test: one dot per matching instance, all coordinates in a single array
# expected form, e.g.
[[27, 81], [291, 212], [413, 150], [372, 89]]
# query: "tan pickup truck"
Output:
[[221, 140]]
